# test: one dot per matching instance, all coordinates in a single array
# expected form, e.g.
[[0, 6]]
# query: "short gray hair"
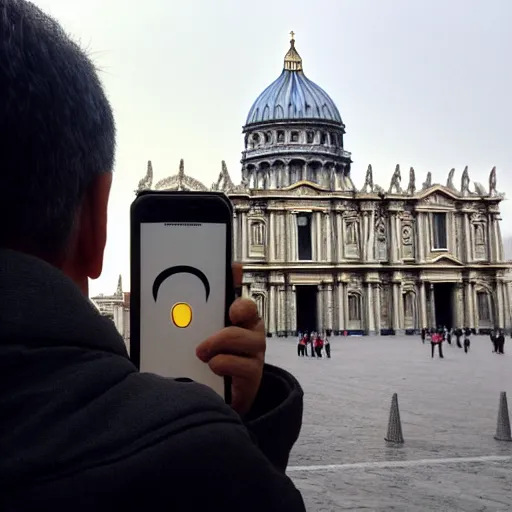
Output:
[[57, 130]]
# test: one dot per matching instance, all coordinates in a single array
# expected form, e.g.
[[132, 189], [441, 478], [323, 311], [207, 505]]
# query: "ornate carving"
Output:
[[439, 199], [411, 189], [368, 181], [146, 182], [428, 181], [181, 181], [381, 249], [492, 183], [394, 186], [449, 181]]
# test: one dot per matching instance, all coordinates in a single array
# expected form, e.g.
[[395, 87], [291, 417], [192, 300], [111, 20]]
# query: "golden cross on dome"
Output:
[[292, 33]]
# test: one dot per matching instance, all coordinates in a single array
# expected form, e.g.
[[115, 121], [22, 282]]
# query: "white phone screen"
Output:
[[183, 297]]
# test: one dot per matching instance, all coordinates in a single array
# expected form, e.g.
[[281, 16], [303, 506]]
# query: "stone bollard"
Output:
[[503, 428], [395, 434]]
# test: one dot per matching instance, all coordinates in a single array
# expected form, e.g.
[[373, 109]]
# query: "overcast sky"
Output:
[[426, 84]]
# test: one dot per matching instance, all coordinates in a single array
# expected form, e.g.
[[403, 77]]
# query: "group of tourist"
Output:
[[438, 336], [315, 343]]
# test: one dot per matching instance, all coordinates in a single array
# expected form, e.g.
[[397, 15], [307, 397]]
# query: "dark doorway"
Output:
[[443, 293], [306, 308]]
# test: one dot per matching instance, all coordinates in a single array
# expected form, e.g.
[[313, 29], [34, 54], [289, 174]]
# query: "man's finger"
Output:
[[226, 365], [244, 313], [238, 272], [232, 340]]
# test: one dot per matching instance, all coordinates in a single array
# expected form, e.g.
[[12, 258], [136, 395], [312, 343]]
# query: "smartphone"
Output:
[[181, 281]]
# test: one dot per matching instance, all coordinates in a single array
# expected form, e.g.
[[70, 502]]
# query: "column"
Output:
[[243, 242], [369, 301], [282, 236], [272, 310], [377, 310], [293, 309], [318, 236], [339, 236], [345, 307], [319, 307], [459, 313], [396, 307], [328, 238], [271, 238], [467, 304], [423, 306], [432, 306], [467, 238], [281, 323], [394, 239], [235, 237], [329, 308], [370, 252], [501, 309], [246, 291], [398, 232], [340, 304]]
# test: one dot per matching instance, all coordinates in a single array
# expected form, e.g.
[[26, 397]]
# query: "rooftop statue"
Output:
[[146, 182], [449, 181], [492, 183], [368, 181], [464, 183], [428, 182], [411, 189], [395, 181]]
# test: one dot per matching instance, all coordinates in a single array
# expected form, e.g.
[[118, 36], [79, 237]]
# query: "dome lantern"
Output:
[[292, 60]]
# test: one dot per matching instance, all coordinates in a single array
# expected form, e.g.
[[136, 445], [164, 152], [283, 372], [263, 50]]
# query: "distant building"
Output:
[[117, 308], [319, 254]]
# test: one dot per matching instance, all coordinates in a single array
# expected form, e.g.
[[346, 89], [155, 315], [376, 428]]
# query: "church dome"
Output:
[[293, 97]]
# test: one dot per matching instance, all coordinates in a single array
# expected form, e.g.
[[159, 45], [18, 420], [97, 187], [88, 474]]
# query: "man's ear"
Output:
[[92, 226]]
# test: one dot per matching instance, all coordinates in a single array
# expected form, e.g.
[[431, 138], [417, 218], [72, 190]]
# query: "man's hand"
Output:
[[238, 351]]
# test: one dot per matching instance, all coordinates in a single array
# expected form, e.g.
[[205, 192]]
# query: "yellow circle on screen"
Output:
[[181, 315]]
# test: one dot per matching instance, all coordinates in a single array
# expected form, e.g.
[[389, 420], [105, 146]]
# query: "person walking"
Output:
[[494, 340], [500, 343], [327, 346], [437, 340], [467, 339], [423, 335]]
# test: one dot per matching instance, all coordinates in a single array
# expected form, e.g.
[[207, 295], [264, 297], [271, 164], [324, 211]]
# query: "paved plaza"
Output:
[[450, 460]]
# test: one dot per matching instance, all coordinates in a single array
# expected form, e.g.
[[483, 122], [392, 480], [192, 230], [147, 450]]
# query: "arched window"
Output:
[[280, 136], [257, 233], [295, 137]]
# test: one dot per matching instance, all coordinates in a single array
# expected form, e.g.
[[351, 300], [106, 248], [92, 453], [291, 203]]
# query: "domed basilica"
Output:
[[321, 254]]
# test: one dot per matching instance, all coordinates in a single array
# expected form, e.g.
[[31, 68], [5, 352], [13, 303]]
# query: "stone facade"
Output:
[[320, 254], [376, 258]]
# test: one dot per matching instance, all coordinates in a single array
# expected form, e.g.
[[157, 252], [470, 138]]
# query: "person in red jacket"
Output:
[[437, 340]]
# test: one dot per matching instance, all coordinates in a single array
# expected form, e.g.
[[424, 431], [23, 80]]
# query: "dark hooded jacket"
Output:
[[82, 430]]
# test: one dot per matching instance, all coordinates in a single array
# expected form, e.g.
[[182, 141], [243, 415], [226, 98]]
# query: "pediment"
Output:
[[305, 188], [446, 260], [438, 195]]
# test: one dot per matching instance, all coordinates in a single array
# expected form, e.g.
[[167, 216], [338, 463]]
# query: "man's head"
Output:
[[57, 142]]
